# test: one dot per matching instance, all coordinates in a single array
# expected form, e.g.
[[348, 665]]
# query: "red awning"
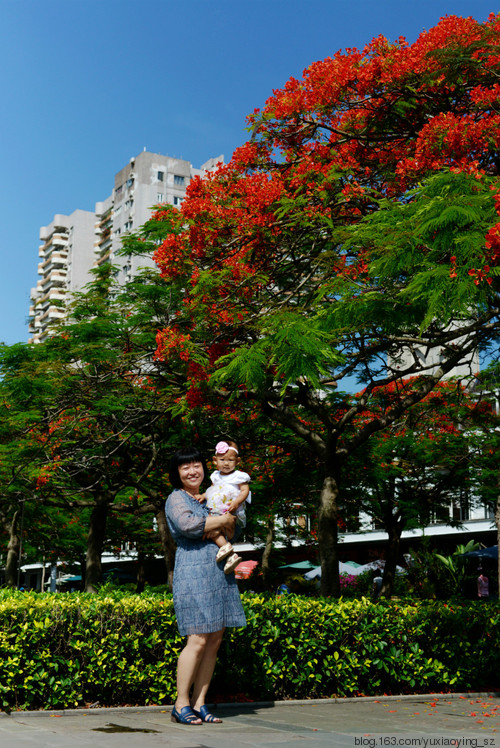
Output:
[[245, 569]]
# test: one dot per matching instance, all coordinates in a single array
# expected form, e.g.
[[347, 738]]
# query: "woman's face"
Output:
[[191, 475]]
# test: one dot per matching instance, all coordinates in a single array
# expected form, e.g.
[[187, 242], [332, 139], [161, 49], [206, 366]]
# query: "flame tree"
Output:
[[353, 235]]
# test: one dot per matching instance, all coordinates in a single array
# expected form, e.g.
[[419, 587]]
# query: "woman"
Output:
[[205, 599]]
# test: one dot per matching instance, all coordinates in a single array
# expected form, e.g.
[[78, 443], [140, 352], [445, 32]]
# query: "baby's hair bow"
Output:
[[222, 447]]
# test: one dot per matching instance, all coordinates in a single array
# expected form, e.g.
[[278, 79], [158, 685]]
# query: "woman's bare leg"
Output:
[[188, 666], [206, 668]]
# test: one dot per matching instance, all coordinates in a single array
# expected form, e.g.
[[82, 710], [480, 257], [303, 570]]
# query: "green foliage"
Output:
[[144, 242], [71, 650], [295, 347], [432, 239], [318, 649], [428, 578], [84, 426], [455, 564], [74, 649]]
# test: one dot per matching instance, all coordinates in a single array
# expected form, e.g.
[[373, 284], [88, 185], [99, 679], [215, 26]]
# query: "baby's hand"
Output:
[[200, 497], [233, 507]]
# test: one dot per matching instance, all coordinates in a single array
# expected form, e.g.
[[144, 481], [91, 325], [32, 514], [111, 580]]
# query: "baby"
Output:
[[228, 493]]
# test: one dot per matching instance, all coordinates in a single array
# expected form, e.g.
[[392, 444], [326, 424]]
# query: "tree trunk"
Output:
[[13, 547], [167, 544], [327, 538], [391, 559], [266, 571], [95, 544]]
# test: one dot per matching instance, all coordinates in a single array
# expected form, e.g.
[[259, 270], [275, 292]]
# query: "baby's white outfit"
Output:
[[224, 489]]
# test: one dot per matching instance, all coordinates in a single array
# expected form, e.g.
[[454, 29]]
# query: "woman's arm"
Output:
[[180, 515], [181, 518]]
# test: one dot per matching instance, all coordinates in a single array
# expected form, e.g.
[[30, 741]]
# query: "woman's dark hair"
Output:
[[184, 456]]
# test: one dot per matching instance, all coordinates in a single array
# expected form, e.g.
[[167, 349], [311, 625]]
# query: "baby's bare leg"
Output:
[[224, 545], [219, 540]]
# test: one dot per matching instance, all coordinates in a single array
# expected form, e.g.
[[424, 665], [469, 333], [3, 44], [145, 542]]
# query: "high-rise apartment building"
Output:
[[66, 256], [73, 245]]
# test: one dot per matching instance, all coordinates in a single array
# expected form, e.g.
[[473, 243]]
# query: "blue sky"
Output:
[[87, 84]]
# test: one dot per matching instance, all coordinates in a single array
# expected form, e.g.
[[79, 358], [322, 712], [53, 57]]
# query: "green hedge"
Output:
[[306, 648], [68, 650]]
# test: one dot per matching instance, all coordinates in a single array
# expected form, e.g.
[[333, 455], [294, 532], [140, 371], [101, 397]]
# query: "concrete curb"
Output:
[[254, 704]]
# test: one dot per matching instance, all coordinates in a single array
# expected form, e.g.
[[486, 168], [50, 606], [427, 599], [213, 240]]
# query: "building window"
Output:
[[159, 197], [130, 182], [177, 200], [178, 180], [160, 176]]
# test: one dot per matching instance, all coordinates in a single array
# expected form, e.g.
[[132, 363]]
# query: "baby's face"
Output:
[[226, 463]]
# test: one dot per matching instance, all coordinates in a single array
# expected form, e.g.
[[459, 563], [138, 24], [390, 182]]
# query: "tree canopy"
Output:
[[87, 431], [355, 234]]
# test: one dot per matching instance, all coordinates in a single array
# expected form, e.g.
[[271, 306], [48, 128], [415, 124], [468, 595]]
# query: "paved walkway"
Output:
[[421, 721]]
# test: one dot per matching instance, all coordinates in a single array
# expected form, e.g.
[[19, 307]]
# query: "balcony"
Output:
[[55, 242], [105, 255], [103, 249], [56, 259], [54, 275], [52, 313], [57, 295]]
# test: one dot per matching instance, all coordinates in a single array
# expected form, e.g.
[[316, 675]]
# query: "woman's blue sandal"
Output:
[[205, 715], [186, 716]]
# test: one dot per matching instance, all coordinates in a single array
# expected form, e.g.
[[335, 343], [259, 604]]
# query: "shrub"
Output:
[[69, 650], [314, 648]]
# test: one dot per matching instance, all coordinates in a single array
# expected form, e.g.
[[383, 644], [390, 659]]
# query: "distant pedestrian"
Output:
[[283, 589], [483, 586], [377, 585]]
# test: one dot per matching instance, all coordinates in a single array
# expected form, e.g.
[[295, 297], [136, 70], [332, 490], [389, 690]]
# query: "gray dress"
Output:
[[205, 599]]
